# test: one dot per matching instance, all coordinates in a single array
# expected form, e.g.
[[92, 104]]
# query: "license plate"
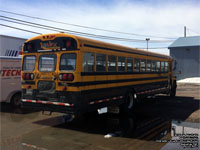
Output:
[[29, 91]]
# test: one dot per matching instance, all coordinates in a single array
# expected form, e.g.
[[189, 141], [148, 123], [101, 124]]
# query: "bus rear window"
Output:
[[68, 61], [29, 63], [47, 63]]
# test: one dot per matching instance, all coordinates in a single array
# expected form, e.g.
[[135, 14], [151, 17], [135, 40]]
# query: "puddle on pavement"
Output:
[[140, 132], [105, 131]]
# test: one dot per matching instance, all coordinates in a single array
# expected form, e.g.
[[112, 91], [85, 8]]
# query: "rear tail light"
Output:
[[70, 77], [66, 77], [27, 76], [20, 52]]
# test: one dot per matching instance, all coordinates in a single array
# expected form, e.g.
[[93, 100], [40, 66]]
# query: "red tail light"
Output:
[[27, 76], [20, 53], [66, 77], [70, 77]]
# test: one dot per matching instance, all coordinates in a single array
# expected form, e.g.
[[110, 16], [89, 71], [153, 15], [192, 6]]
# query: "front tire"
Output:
[[173, 90]]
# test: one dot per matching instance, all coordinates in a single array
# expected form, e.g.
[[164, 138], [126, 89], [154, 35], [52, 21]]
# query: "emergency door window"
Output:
[[47, 63], [29, 63]]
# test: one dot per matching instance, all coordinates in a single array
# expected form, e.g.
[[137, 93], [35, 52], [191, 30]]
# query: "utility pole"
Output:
[[184, 31], [147, 39]]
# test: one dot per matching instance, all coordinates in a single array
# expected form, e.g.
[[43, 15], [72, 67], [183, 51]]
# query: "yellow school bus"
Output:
[[71, 74]]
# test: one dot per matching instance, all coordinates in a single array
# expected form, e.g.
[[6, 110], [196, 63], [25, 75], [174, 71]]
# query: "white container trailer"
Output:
[[10, 69]]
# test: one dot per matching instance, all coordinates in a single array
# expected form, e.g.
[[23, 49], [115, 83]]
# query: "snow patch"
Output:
[[194, 80]]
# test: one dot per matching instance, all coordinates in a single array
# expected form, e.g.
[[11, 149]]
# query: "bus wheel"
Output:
[[129, 103], [173, 90], [16, 100]]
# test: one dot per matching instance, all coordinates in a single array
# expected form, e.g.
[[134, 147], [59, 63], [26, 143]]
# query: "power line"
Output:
[[19, 29], [41, 33], [27, 23], [81, 26], [193, 31]]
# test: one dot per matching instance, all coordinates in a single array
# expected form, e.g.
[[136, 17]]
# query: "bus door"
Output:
[[47, 76]]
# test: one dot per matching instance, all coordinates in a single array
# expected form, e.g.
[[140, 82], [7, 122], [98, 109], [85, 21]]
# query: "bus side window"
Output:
[[137, 65], [143, 65], [162, 66], [121, 64], [100, 62], [158, 66], [148, 65], [112, 63], [68, 61], [129, 64], [153, 65], [88, 62], [166, 67]]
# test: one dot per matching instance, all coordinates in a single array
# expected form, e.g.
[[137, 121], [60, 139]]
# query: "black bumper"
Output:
[[51, 107]]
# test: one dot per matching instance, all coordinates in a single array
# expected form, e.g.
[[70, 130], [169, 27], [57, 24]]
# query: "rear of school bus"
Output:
[[49, 70]]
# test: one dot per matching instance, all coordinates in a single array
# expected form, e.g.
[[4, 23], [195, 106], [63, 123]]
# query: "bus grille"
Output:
[[47, 87]]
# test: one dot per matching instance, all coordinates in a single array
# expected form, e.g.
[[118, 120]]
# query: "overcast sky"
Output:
[[165, 18]]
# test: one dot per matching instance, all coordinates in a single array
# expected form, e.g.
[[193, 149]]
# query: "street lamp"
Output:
[[147, 39]]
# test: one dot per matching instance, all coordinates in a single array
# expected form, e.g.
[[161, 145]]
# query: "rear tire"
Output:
[[129, 103]]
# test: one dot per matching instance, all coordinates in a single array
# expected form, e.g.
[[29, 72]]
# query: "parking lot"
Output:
[[155, 124]]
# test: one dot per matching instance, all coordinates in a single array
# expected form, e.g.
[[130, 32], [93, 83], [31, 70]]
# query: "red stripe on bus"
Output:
[[49, 102], [30, 101], [62, 104]]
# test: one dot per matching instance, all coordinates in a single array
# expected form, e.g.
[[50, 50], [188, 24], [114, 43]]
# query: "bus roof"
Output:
[[84, 40]]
